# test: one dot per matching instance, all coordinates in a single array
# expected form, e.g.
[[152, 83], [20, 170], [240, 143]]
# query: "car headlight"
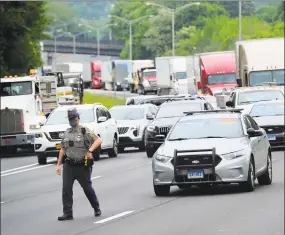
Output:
[[35, 126], [146, 83], [161, 158], [233, 155], [151, 128], [38, 135], [133, 128], [118, 83]]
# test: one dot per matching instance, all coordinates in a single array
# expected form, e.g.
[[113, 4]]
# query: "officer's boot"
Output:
[[97, 210], [65, 217]]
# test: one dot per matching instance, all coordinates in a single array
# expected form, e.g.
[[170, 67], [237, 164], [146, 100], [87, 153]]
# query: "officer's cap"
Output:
[[72, 113]]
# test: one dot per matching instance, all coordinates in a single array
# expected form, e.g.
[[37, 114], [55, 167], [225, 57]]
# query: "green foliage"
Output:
[[22, 26], [266, 13], [232, 8]]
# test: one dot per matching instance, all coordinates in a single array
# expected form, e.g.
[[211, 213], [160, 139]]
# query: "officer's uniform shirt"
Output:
[[78, 151]]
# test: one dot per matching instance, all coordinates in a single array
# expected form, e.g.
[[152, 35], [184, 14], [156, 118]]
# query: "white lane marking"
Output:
[[21, 167], [30, 169], [96, 177], [2, 202], [113, 217]]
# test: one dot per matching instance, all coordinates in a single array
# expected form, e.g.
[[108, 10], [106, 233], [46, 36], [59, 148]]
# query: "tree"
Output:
[[22, 26], [266, 13], [232, 7]]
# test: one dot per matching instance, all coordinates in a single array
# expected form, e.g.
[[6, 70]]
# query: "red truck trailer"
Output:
[[217, 71]]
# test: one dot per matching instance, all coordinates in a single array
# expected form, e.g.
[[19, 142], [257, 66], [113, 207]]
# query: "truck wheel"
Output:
[[42, 160]]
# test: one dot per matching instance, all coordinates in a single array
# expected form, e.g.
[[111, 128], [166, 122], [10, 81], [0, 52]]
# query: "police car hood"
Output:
[[63, 127], [222, 145]]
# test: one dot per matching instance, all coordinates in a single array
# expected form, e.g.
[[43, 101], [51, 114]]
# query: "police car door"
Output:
[[100, 128], [110, 126]]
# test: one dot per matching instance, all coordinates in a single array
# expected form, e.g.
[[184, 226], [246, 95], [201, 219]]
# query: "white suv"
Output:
[[94, 116]]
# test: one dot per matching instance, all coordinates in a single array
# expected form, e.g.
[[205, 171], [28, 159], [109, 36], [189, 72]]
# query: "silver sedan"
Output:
[[212, 147]]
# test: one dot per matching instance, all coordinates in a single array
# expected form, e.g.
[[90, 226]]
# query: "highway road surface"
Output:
[[31, 202]]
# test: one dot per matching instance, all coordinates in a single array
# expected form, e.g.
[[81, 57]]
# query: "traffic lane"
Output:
[[121, 94], [19, 160], [117, 192], [130, 190], [222, 210], [38, 179]]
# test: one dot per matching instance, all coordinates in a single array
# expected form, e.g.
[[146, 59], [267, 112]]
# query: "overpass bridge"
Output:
[[65, 46]]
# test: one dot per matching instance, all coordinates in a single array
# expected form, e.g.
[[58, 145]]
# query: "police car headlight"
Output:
[[151, 128], [35, 126], [146, 83], [234, 155], [161, 158]]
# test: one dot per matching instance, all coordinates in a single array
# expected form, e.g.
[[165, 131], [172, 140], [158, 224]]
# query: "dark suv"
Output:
[[166, 117]]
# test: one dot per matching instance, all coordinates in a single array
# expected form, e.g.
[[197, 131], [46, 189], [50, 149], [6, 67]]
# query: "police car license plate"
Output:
[[195, 174], [58, 146], [271, 137]]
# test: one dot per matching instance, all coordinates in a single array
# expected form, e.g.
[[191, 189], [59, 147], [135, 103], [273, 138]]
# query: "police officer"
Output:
[[78, 143]]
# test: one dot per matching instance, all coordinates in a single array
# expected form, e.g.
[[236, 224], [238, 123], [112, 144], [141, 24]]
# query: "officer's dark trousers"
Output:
[[83, 175]]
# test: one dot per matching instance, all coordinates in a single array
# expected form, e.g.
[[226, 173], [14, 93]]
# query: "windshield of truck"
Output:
[[268, 109], [16, 88], [127, 113], [207, 128], [176, 110], [97, 74], [149, 73], [59, 117], [222, 78], [259, 78], [249, 97], [180, 75]]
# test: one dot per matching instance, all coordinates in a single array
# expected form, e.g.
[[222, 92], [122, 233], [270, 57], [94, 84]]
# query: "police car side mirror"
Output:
[[159, 138], [102, 119], [254, 133], [47, 114]]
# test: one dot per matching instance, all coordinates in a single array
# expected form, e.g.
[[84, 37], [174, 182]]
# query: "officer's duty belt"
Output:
[[74, 162]]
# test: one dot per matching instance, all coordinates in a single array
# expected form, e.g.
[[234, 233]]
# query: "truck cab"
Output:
[[19, 120], [260, 62], [147, 80], [96, 74], [217, 72]]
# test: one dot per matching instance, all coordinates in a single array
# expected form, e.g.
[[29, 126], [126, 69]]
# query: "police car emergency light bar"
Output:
[[214, 111]]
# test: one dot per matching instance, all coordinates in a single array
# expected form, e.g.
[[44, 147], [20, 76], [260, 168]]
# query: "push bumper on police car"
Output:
[[193, 167]]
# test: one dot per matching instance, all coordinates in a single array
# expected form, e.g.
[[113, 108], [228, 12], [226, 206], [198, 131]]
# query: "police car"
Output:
[[94, 116]]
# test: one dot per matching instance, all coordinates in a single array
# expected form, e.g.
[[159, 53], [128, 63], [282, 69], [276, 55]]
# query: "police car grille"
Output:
[[123, 130], [197, 160], [54, 135], [164, 130], [274, 129]]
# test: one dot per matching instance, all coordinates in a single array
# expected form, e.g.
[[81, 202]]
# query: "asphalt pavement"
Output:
[[31, 202]]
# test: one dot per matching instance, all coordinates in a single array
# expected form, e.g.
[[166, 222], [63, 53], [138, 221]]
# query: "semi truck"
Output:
[[143, 77], [260, 62], [21, 113], [193, 73], [96, 74], [116, 73], [171, 75], [217, 72]]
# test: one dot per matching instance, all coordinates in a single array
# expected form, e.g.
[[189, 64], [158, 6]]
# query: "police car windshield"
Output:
[[59, 117], [127, 113], [207, 128]]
